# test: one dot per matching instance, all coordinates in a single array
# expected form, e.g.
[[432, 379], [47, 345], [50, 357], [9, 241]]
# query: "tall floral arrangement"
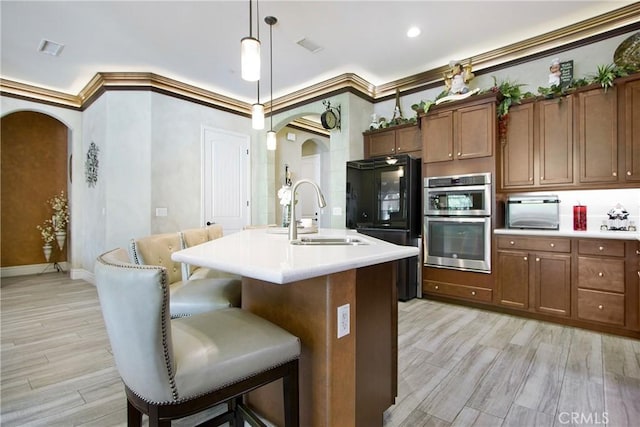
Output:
[[60, 207]]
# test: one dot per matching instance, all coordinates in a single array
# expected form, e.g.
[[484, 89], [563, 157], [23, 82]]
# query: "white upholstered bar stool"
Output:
[[188, 297], [172, 368]]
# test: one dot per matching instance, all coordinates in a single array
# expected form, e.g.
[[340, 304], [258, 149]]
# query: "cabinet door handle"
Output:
[[615, 174], [459, 153], [436, 287], [601, 248], [525, 258], [473, 293], [530, 178], [542, 177], [553, 245], [637, 252], [511, 242], [600, 307], [628, 173], [601, 274], [393, 149], [537, 259], [450, 155]]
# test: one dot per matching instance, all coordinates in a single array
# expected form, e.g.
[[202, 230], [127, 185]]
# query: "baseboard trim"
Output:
[[26, 270]]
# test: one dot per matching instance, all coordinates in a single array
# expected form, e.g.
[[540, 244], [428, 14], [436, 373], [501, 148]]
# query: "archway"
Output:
[[302, 154], [33, 170]]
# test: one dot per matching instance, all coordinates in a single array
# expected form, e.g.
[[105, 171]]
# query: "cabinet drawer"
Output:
[[601, 274], [601, 247], [547, 244], [461, 291], [602, 307]]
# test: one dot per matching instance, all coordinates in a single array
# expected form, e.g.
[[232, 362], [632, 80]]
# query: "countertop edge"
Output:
[[283, 273], [597, 234]]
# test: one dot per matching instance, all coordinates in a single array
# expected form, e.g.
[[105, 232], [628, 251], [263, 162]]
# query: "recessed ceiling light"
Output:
[[50, 48], [413, 32]]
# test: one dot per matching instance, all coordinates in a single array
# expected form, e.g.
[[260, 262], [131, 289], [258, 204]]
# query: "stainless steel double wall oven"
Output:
[[457, 222]]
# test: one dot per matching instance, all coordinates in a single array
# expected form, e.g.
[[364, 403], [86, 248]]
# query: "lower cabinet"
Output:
[[601, 284], [586, 282], [529, 279], [473, 293]]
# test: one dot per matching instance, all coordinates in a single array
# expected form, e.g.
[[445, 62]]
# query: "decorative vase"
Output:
[[61, 237], [46, 248]]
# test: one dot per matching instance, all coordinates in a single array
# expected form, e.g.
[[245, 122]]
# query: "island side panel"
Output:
[[308, 309], [377, 342]]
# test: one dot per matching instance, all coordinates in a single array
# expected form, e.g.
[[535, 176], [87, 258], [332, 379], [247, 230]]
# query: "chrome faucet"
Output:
[[293, 226]]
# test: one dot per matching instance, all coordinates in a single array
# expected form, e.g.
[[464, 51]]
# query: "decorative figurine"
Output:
[[457, 77], [618, 218]]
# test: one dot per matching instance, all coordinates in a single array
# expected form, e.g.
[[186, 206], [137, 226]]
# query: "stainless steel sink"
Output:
[[329, 241]]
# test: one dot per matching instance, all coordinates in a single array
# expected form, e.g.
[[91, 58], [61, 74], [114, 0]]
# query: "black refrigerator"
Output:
[[384, 201]]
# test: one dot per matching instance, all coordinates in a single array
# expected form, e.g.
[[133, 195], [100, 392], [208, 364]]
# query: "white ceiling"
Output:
[[198, 42]]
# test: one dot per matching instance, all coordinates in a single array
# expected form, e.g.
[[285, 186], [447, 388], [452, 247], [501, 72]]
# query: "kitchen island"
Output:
[[348, 365]]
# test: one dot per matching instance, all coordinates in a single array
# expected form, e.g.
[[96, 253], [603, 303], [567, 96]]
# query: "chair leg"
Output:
[[134, 417], [291, 396]]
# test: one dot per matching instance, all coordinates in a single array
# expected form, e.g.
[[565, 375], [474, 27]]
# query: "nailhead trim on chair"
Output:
[[164, 326]]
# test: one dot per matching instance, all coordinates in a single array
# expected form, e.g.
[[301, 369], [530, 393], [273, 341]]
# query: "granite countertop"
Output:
[[270, 257], [591, 234]]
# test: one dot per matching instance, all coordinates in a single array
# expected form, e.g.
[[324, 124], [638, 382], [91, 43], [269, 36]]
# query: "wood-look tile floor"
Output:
[[457, 366]]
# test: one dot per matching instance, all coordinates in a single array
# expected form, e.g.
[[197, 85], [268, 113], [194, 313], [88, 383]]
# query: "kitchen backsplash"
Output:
[[598, 203]]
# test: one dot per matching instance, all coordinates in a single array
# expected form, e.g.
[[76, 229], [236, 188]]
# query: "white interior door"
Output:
[[307, 206], [226, 184]]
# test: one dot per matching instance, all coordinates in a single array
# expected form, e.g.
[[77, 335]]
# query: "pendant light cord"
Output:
[[258, 37], [271, 70]]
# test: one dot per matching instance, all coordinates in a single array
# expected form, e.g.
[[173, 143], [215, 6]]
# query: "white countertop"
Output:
[[270, 257], [591, 234]]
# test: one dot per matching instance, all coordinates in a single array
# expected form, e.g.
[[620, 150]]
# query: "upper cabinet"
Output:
[[597, 135], [459, 130], [629, 118], [590, 139], [403, 139], [538, 149]]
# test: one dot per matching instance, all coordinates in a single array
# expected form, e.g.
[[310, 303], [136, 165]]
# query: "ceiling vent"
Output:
[[309, 45], [50, 48]]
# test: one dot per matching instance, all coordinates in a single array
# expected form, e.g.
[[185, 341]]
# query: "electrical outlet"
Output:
[[343, 320]]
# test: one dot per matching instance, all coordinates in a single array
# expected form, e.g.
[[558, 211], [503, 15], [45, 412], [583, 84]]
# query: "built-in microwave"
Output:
[[466, 195]]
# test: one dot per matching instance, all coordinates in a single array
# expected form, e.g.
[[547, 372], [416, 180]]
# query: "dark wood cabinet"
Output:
[[552, 283], [403, 139], [517, 158], [529, 279], [554, 139], [597, 135], [587, 140], [462, 131], [538, 149], [629, 117], [603, 288], [513, 280]]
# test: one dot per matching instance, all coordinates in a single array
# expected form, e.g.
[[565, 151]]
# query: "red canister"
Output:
[[580, 218]]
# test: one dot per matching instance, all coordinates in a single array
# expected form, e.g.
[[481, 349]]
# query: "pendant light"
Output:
[[257, 109], [271, 135], [250, 53]]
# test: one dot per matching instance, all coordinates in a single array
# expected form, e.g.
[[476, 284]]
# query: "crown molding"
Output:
[[38, 94], [628, 16], [625, 16]]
